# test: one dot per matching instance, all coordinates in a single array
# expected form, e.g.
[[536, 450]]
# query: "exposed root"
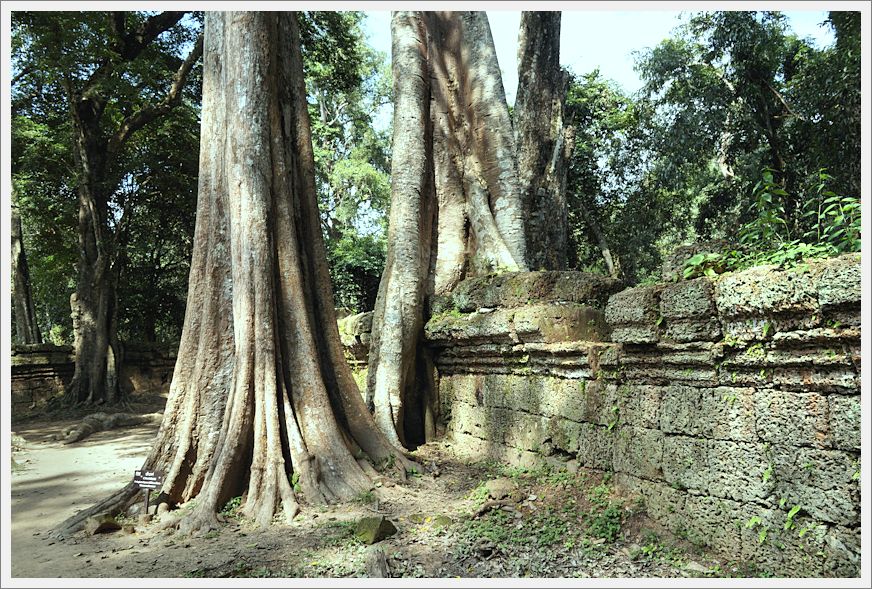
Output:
[[490, 506], [203, 519], [112, 505], [103, 421]]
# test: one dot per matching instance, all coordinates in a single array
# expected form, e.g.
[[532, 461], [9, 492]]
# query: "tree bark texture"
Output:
[[455, 201], [26, 326], [262, 400], [543, 151]]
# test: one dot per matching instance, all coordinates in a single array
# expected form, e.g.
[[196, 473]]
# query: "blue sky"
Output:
[[591, 39]]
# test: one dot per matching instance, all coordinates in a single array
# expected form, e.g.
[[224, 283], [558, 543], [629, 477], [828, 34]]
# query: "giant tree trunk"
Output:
[[26, 327], [455, 203], [543, 152], [261, 394]]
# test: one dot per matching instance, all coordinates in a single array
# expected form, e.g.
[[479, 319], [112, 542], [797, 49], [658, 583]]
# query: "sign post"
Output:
[[148, 480]]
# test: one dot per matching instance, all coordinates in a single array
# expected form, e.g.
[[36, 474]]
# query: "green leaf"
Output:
[[696, 260]]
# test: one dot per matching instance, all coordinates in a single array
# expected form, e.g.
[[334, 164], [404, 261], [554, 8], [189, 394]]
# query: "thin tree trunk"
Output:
[[539, 136], [612, 267], [262, 400], [26, 326], [455, 202]]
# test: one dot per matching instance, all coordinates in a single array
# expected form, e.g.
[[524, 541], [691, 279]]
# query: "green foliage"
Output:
[[790, 523], [829, 225], [726, 95], [231, 508], [148, 183], [704, 264], [479, 495], [605, 516], [356, 263]]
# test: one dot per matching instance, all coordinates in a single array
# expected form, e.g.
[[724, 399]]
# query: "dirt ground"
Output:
[[555, 523]]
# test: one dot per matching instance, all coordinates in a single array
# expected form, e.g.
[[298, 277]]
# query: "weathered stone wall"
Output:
[[725, 403], [42, 371]]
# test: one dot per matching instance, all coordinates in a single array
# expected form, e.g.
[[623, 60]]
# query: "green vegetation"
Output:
[[231, 508], [740, 123]]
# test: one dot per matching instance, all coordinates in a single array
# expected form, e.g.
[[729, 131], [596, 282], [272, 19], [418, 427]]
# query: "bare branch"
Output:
[[784, 102], [147, 32], [139, 119]]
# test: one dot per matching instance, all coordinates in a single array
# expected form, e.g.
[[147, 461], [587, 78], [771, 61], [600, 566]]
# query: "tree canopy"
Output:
[[740, 123]]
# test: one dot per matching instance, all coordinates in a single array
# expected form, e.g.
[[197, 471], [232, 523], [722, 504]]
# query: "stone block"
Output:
[[521, 430], [639, 405], [822, 379], [685, 463], [608, 356], [634, 313], [844, 421], [693, 330], [595, 444], [567, 398], [665, 374], [792, 419], [842, 552], [598, 404], [711, 522], [775, 550], [839, 282], [639, 451], [566, 434], [722, 413], [468, 419], [516, 289], [763, 291], [636, 334], [455, 328], [821, 481], [560, 323], [663, 503], [725, 469], [688, 299]]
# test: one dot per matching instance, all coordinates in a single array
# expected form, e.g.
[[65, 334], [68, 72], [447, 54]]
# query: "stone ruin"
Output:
[[723, 403]]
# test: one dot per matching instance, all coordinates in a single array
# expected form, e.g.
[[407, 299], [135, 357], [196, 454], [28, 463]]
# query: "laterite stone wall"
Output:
[[725, 403], [42, 371]]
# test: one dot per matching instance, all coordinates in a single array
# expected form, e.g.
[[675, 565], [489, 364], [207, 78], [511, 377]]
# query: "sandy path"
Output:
[[55, 481]]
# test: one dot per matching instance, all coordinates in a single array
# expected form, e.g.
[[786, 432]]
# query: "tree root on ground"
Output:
[[103, 421]]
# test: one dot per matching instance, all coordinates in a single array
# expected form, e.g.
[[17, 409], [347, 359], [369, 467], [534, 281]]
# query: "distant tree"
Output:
[[736, 92], [729, 100], [115, 74], [347, 84], [26, 326]]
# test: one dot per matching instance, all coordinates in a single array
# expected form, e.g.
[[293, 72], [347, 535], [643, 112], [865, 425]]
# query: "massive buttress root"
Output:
[[262, 401]]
